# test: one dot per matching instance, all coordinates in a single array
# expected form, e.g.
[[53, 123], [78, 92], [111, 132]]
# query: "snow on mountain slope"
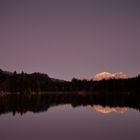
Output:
[[107, 75]]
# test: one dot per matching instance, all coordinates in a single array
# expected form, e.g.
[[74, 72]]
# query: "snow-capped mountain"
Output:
[[120, 75], [107, 75]]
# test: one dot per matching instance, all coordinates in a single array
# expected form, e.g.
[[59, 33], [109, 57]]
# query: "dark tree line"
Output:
[[38, 82]]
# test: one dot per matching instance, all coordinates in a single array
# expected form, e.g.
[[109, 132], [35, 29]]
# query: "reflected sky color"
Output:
[[70, 38], [67, 123]]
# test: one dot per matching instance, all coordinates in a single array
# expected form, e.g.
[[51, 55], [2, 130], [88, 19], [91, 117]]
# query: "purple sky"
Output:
[[70, 38]]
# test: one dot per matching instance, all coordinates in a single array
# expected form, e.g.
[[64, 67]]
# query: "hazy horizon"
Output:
[[70, 38]]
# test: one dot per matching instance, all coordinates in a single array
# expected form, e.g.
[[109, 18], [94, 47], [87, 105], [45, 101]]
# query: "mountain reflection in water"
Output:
[[108, 109], [42, 102]]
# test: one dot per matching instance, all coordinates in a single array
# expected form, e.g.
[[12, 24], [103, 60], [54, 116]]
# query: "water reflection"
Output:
[[108, 109], [42, 102]]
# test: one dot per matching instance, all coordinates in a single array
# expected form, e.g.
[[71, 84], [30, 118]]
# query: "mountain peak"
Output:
[[107, 75]]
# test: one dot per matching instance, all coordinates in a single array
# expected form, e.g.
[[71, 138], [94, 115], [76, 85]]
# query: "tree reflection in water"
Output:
[[42, 102]]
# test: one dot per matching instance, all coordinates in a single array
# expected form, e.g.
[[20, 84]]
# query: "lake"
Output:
[[42, 119]]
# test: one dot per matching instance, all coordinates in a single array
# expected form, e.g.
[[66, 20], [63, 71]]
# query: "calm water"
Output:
[[63, 122]]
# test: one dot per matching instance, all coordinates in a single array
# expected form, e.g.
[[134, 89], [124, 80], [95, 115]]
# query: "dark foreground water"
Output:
[[68, 118]]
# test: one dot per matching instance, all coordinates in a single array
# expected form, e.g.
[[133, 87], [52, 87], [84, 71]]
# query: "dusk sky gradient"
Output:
[[70, 38]]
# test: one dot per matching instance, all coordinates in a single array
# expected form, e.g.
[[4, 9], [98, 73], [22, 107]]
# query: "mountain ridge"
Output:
[[107, 75]]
